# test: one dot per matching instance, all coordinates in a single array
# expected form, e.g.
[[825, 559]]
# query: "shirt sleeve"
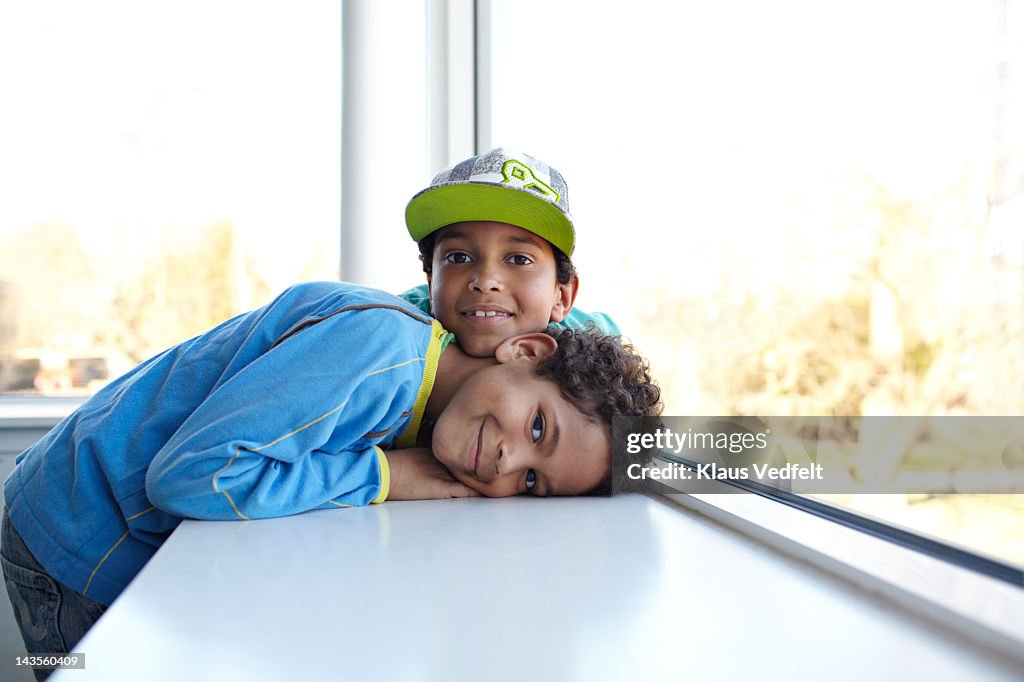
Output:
[[577, 319], [419, 297], [287, 433]]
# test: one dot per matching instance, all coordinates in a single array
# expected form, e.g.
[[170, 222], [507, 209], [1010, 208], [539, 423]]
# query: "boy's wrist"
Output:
[[385, 476], [417, 475]]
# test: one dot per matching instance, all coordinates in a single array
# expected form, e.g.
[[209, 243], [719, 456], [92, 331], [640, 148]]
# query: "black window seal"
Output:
[[957, 556]]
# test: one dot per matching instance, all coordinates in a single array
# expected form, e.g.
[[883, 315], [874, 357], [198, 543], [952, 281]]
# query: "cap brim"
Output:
[[437, 207]]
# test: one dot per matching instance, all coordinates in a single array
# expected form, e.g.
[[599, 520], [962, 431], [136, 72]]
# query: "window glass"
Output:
[[794, 208], [164, 166]]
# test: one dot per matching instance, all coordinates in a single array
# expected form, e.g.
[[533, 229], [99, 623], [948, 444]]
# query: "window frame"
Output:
[[979, 597], [910, 539], [976, 597], [985, 610]]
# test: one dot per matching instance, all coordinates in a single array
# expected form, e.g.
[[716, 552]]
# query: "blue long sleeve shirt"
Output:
[[274, 412]]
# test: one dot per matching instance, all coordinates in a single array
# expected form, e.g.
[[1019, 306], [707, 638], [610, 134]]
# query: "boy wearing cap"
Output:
[[312, 402], [495, 235]]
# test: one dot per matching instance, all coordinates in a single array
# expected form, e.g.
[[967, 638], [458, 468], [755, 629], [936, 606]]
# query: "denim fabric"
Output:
[[52, 618]]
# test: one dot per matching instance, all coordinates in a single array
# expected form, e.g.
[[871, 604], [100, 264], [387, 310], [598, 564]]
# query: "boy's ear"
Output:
[[530, 348], [566, 296]]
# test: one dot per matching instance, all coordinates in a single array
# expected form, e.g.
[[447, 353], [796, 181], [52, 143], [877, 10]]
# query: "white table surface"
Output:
[[627, 588]]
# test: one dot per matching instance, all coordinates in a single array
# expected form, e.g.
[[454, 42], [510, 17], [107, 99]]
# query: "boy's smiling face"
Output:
[[508, 431], [491, 281]]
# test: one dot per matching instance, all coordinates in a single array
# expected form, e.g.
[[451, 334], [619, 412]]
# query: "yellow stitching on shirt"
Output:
[[238, 448], [135, 516], [111, 550], [402, 364], [225, 492], [302, 428]]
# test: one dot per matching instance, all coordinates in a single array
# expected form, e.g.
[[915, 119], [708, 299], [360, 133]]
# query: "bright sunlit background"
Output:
[[163, 165], [796, 208], [792, 207]]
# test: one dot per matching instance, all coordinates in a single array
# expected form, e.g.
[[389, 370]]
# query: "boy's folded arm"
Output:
[[286, 434], [415, 474], [232, 481]]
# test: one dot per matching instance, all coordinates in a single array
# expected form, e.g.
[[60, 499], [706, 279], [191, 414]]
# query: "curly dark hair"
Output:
[[604, 378], [564, 269]]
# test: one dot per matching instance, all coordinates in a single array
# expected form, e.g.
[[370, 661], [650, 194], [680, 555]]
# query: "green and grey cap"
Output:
[[500, 185]]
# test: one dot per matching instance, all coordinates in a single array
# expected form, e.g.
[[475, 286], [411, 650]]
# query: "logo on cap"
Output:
[[519, 174]]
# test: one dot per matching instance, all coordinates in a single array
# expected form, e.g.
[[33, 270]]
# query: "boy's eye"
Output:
[[531, 480], [537, 430], [520, 259], [456, 257]]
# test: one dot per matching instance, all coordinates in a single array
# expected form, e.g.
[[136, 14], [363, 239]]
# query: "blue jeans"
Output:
[[51, 617]]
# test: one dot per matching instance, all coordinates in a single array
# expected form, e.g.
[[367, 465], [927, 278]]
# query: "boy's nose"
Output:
[[486, 278], [513, 458]]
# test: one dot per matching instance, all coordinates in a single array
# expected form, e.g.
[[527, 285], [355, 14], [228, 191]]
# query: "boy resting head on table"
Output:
[[311, 402]]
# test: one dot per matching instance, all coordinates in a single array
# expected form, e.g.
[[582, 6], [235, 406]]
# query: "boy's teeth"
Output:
[[483, 313]]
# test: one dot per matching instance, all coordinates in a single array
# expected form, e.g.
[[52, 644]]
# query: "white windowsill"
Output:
[[987, 611], [35, 411]]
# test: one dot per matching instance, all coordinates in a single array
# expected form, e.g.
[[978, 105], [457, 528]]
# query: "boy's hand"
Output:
[[417, 475]]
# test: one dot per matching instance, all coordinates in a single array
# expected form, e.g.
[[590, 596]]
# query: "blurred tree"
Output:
[[187, 285], [906, 321], [7, 317], [52, 285], [132, 295]]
